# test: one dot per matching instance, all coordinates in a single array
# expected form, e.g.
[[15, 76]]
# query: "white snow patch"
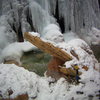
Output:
[[21, 81], [70, 35], [15, 50], [83, 51], [35, 34], [17, 79]]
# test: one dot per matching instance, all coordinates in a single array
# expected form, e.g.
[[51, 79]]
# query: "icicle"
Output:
[[40, 17], [79, 14], [61, 5], [53, 5], [44, 4]]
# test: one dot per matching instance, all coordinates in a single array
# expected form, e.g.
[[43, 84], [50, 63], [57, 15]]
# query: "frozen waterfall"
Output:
[[70, 16]]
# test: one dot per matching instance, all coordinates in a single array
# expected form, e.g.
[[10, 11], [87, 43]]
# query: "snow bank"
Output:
[[21, 81], [92, 37], [35, 34], [83, 55], [17, 79], [89, 87], [15, 50]]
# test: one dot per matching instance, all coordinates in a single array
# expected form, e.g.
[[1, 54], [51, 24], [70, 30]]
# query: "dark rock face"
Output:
[[19, 97], [96, 50]]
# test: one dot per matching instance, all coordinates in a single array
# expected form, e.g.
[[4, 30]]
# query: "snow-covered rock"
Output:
[[81, 53], [15, 50], [17, 79]]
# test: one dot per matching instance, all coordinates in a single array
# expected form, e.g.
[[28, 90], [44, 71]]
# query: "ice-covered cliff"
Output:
[[77, 16], [70, 16]]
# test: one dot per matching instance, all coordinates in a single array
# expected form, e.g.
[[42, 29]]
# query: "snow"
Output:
[[52, 33], [50, 27], [5, 39], [35, 34], [15, 50], [81, 48], [70, 35], [38, 15], [17, 79], [21, 81]]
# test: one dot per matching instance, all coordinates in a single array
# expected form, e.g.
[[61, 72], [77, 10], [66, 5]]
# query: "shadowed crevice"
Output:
[[59, 19]]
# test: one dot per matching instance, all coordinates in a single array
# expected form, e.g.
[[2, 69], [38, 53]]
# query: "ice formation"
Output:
[[22, 16], [40, 17], [52, 33], [92, 37]]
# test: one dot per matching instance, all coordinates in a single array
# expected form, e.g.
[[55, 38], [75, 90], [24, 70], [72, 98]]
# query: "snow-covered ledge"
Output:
[[13, 52]]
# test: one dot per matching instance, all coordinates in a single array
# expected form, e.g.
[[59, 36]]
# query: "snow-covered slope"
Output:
[[21, 81], [17, 79]]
